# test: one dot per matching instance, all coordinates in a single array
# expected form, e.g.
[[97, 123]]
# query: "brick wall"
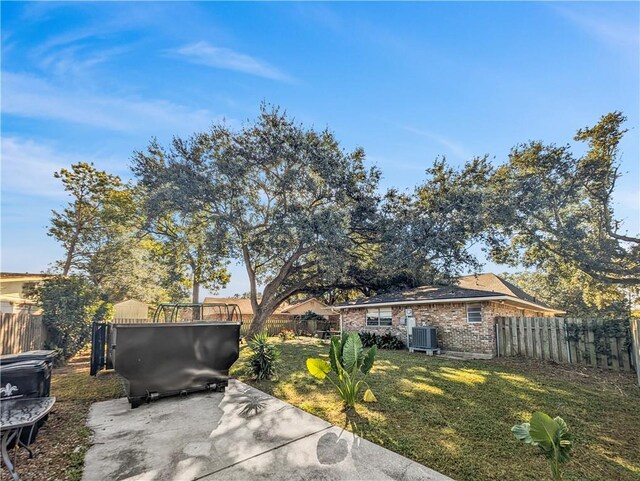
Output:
[[454, 332]]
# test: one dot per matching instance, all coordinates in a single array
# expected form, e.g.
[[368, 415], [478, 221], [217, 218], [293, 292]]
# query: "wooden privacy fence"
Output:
[[597, 343], [21, 332], [301, 327]]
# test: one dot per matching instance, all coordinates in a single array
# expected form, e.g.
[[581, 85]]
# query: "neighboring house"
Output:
[[130, 309], [464, 314], [12, 297], [314, 305]]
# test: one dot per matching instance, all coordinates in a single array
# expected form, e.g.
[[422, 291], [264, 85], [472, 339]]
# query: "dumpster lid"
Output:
[[39, 355], [26, 366]]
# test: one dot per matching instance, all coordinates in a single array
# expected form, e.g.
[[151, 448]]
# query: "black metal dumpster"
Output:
[[158, 360], [25, 379]]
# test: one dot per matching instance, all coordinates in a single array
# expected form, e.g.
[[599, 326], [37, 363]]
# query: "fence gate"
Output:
[[597, 343], [99, 346]]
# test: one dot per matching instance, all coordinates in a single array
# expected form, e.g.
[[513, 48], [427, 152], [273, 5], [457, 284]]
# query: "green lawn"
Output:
[[455, 416]]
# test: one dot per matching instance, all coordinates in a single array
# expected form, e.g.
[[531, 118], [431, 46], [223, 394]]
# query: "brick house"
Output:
[[464, 314]]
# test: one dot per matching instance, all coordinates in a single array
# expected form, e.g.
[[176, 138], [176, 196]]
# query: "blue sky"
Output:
[[407, 82]]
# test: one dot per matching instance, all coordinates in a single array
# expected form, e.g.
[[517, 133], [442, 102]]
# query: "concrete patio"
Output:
[[239, 435]]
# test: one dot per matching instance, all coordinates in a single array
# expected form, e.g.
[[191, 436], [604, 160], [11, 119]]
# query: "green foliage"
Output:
[[287, 335], [78, 226], [384, 341], [193, 250], [289, 198], [551, 436], [99, 230], [550, 206], [350, 365], [262, 362], [70, 305], [424, 236], [573, 291], [311, 316], [602, 333]]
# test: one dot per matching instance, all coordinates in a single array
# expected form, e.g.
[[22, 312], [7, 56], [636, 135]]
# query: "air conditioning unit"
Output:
[[424, 338]]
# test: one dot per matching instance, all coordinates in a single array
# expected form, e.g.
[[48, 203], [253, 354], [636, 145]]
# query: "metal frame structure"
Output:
[[203, 311]]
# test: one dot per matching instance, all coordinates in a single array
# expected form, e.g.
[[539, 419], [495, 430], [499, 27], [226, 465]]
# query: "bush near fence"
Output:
[[599, 343], [21, 332]]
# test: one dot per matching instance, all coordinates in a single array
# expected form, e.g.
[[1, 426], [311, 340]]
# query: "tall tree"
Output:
[[100, 231], [550, 206], [191, 247], [291, 200], [78, 225], [575, 292], [427, 235]]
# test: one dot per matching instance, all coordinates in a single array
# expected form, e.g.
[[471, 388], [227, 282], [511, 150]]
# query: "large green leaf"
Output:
[[352, 352], [563, 440], [521, 432], [334, 354], [318, 367], [367, 362], [543, 430]]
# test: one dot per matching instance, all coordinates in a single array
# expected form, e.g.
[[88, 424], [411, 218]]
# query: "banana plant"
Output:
[[552, 436], [350, 365]]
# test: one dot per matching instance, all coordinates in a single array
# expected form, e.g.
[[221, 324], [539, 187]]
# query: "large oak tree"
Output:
[[550, 206], [292, 202]]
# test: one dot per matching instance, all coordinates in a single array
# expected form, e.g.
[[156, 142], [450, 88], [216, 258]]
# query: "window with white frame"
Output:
[[377, 317], [474, 313]]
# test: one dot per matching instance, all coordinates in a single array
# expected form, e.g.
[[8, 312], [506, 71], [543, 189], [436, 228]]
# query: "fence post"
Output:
[[537, 329], [591, 342], [634, 324], [554, 353]]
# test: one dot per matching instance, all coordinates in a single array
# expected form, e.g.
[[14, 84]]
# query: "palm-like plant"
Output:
[[552, 436], [350, 364], [264, 357]]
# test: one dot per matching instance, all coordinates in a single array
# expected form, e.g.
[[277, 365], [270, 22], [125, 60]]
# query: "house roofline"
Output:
[[325, 306], [450, 300]]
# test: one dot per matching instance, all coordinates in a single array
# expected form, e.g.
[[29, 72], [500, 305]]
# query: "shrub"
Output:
[[264, 357], [368, 338], [287, 335], [311, 316], [384, 341], [310, 322], [350, 364], [551, 436], [70, 305]]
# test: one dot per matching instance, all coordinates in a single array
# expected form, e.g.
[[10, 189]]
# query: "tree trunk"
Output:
[[195, 292], [70, 252], [260, 317], [197, 313]]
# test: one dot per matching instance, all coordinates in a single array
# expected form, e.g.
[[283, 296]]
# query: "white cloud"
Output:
[[614, 31], [28, 167], [225, 58], [31, 96], [453, 147]]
